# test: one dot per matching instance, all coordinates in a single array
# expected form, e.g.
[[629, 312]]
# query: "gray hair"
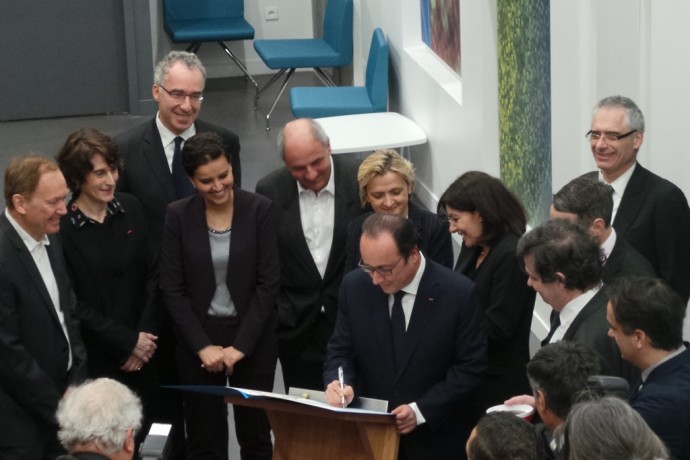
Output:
[[98, 412], [160, 71], [609, 429], [632, 111], [317, 132]]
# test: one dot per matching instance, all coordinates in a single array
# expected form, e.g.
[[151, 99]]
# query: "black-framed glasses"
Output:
[[181, 95], [594, 136], [382, 271]]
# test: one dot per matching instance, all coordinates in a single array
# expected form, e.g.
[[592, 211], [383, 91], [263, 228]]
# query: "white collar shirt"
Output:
[[608, 245], [39, 254], [619, 186], [570, 312], [168, 138], [317, 213]]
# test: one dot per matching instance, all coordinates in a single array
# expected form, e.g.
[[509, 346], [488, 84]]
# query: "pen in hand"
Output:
[[341, 378]]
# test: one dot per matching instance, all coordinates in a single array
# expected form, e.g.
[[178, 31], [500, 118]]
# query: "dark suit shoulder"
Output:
[[203, 126], [274, 185]]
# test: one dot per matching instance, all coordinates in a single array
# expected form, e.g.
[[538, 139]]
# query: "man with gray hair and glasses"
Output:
[[651, 213], [153, 173], [98, 420]]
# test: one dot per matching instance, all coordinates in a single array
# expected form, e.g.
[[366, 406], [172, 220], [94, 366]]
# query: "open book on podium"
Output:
[[307, 428]]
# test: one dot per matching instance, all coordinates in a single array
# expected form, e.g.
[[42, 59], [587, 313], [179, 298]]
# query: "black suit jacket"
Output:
[[590, 328], [146, 173], [625, 260], [507, 303], [303, 292], [188, 280], [664, 403], [655, 219], [434, 237], [33, 349], [445, 354]]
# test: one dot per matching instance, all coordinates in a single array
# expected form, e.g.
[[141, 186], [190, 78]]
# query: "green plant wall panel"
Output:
[[524, 85]]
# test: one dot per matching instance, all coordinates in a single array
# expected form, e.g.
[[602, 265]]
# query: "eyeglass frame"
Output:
[[381, 271], [180, 95], [608, 137]]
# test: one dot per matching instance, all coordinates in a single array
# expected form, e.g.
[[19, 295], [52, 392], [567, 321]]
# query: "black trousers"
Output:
[[206, 416]]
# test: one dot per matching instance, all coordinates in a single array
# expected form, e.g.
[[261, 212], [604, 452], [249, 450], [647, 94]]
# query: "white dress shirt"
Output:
[[619, 186], [317, 213], [407, 305], [38, 252], [168, 139], [570, 312], [608, 245]]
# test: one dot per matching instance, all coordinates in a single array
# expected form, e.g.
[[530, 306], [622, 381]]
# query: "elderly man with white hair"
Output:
[[98, 420]]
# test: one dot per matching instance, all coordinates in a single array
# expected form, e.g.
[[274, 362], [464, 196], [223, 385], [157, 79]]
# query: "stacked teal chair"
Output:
[[333, 50], [200, 21], [322, 102]]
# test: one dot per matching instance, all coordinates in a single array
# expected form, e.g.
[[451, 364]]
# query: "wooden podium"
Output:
[[305, 432]]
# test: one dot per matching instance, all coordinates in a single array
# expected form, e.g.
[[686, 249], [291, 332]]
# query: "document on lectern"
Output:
[[297, 395]]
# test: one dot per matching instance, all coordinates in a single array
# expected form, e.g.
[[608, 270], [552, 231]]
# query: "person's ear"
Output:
[[560, 277], [598, 227], [130, 445]]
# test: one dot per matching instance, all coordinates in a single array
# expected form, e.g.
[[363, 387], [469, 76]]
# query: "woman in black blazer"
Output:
[[112, 269], [220, 276], [386, 183], [491, 220]]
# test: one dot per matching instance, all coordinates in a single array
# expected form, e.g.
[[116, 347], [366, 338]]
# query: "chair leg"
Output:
[[193, 47], [239, 63], [270, 82], [280, 93], [325, 79]]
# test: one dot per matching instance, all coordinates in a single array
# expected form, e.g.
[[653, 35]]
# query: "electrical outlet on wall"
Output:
[[271, 13]]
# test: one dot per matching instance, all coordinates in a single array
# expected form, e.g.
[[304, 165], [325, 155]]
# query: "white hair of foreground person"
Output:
[[98, 413]]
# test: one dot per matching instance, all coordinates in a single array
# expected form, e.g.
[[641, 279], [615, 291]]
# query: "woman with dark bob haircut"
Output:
[[491, 220], [112, 269], [220, 276]]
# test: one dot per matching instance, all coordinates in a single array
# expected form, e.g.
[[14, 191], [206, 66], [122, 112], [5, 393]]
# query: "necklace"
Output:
[[219, 232]]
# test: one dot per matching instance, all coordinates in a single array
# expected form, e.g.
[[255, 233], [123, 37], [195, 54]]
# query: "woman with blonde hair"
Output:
[[386, 182]]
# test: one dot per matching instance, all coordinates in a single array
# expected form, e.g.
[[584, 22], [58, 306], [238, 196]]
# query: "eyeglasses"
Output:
[[594, 136], [181, 95], [382, 271]]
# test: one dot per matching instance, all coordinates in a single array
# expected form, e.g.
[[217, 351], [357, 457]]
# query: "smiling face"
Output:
[[178, 115], [99, 184], [307, 159], [214, 181], [553, 293], [614, 158], [40, 214], [467, 224], [389, 193]]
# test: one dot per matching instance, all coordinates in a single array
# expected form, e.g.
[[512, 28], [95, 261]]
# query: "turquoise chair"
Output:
[[200, 21], [322, 102], [333, 50]]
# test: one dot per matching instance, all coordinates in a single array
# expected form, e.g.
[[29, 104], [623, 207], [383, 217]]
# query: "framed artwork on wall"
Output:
[[441, 30]]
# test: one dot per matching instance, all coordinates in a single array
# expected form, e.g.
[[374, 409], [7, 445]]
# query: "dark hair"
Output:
[[401, 229], [559, 245], [587, 198], [650, 305], [500, 209], [502, 436], [23, 175], [74, 158], [202, 149], [560, 371]]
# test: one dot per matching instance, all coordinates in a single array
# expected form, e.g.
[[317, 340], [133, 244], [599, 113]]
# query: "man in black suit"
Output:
[[148, 150], [42, 352], [589, 203], [153, 173], [563, 265], [317, 195], [646, 319], [651, 213], [409, 331]]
